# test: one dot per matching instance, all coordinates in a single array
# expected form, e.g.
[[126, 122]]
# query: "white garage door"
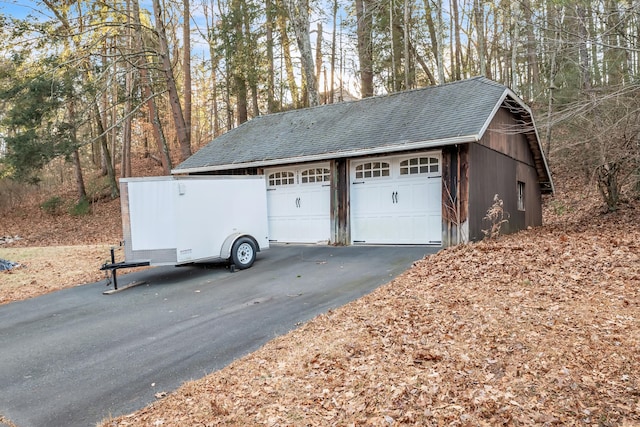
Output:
[[298, 204], [397, 200]]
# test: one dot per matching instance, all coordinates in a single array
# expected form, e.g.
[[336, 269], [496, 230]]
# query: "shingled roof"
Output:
[[452, 113]]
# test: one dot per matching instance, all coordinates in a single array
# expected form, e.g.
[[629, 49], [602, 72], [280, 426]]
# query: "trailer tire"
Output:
[[243, 253]]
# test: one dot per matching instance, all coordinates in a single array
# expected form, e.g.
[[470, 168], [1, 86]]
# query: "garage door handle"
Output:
[[394, 197], [359, 182]]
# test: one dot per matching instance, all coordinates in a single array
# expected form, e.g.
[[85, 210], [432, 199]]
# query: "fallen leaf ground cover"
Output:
[[537, 328]]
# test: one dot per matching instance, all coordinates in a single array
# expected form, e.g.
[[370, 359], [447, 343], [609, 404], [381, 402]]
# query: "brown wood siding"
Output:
[[340, 202], [492, 173], [504, 137], [455, 193], [532, 197]]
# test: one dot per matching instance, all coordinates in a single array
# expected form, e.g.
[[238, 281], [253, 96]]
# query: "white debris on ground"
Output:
[[5, 240], [7, 265]]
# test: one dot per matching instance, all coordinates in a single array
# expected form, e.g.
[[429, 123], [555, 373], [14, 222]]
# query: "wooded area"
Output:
[[86, 85]]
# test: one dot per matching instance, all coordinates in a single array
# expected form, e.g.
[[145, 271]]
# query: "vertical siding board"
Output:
[[495, 173], [490, 173], [532, 197], [449, 184], [340, 202], [455, 194], [503, 136], [498, 161]]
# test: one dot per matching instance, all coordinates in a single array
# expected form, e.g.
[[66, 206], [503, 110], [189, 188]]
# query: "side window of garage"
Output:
[[372, 170], [281, 178], [310, 176], [419, 166]]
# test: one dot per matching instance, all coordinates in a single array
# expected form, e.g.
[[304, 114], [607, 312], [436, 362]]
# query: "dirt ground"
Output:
[[537, 328]]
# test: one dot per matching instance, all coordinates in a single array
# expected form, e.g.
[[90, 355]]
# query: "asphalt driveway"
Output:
[[74, 357]]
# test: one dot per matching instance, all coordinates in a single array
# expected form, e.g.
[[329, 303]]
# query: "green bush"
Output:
[[83, 207], [53, 206]]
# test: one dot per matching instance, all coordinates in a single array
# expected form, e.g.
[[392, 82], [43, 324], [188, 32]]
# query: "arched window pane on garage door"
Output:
[[419, 165], [281, 178], [372, 170], [315, 175]]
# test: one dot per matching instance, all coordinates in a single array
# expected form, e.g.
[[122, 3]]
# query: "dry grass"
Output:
[[50, 268]]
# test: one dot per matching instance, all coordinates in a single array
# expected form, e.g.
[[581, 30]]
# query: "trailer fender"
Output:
[[225, 251]]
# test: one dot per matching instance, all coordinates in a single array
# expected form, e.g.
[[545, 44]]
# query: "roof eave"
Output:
[[333, 155], [545, 186]]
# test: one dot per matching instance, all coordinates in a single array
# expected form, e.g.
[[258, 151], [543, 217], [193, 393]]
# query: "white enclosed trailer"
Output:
[[182, 220]]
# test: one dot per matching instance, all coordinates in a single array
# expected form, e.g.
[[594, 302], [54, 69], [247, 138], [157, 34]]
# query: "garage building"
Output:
[[415, 167]]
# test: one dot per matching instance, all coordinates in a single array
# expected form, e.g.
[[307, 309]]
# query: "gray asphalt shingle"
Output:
[[433, 113]]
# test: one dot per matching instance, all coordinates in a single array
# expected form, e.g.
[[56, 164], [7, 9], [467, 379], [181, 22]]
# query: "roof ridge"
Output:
[[481, 79]]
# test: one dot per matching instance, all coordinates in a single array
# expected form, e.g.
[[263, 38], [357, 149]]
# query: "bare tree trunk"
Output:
[[478, 8], [533, 70], [106, 157], [174, 99], [614, 55], [515, 15], [556, 43], [186, 69], [125, 165], [82, 193], [215, 60], [270, 62], [457, 62], [251, 65], [154, 118], [435, 34], [114, 110], [299, 15], [104, 143], [286, 52], [423, 64], [396, 47], [407, 65], [239, 63], [80, 187], [595, 53], [365, 53], [585, 72], [440, 50], [319, 55], [333, 51]]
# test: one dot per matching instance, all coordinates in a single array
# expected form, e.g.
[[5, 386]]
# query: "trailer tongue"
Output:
[[192, 219]]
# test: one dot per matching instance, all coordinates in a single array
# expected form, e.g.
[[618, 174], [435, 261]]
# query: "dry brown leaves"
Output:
[[538, 328], [37, 228]]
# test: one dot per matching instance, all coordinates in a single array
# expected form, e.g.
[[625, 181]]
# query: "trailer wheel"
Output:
[[243, 253]]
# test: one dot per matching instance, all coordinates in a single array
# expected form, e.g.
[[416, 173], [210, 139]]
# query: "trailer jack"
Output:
[[115, 266]]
